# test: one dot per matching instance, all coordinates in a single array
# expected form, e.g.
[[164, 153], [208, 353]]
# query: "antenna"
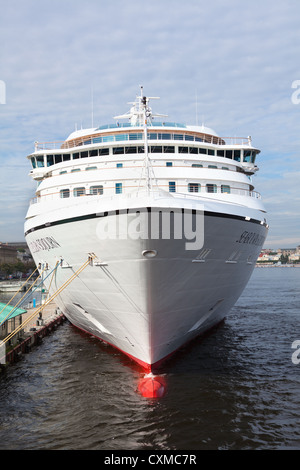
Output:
[[196, 107], [92, 96]]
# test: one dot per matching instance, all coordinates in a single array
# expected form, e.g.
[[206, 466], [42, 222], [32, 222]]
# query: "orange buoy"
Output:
[[152, 387]]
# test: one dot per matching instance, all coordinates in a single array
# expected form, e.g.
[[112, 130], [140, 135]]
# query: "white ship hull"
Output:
[[148, 307]]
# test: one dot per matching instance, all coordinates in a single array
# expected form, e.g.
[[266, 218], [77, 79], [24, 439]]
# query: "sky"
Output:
[[232, 65]]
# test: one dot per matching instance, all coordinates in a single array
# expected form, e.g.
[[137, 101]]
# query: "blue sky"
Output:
[[239, 58]]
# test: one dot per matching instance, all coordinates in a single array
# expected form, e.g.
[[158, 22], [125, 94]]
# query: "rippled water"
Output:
[[236, 388]]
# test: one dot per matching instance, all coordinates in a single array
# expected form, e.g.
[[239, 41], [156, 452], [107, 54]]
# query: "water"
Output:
[[237, 388]]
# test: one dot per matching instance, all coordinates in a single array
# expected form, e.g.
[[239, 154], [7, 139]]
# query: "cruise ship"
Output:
[[166, 215]]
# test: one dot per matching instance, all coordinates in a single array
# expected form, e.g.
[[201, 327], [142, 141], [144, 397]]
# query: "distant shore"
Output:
[[270, 265]]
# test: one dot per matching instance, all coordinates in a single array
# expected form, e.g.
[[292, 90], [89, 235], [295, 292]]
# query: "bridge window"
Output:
[[57, 158], [50, 160], [156, 149], [33, 163], [183, 149], [40, 161], [94, 153], [169, 149], [193, 150], [130, 150], [237, 155], [118, 150], [104, 151]]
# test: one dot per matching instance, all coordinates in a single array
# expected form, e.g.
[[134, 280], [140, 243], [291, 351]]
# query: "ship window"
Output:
[[253, 156], [228, 154], [178, 137], [63, 172], [220, 153], [57, 158], [91, 168], [210, 152], [119, 165], [119, 137], [50, 160], [104, 151], [136, 136], [152, 136], [78, 192], [40, 161], [141, 149], [198, 139], [169, 163], [118, 150], [193, 150], [156, 149], [118, 188], [172, 186], [237, 155], [165, 136], [197, 165], [75, 155], [33, 163], [211, 188], [183, 150], [75, 169], [108, 138], [212, 166], [130, 149], [66, 157], [188, 137], [247, 156], [84, 154], [225, 168], [202, 150], [96, 190], [225, 188], [169, 149], [194, 187], [94, 153], [64, 193]]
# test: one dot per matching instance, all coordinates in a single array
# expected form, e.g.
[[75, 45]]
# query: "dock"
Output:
[[35, 330]]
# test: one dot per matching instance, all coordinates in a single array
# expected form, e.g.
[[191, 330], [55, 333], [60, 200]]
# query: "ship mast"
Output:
[[140, 114]]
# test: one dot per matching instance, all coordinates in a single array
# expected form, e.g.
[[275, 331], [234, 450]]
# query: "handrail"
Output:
[[98, 138], [20, 327], [233, 190]]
